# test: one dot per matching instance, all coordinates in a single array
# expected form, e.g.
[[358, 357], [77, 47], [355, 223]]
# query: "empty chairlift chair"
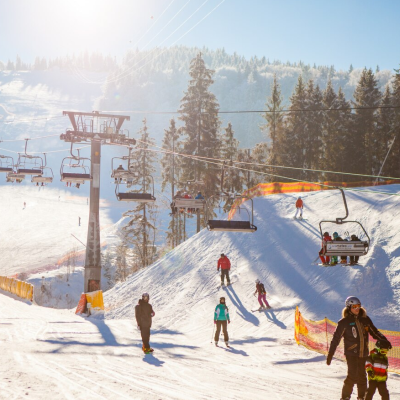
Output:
[[6, 164], [134, 196], [232, 226], [75, 173]]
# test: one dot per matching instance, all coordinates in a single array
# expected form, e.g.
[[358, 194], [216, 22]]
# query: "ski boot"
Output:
[[216, 343], [226, 344]]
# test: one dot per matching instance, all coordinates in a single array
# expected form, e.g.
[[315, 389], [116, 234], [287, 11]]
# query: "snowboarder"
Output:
[[326, 238], [354, 327], [376, 366], [261, 295], [299, 207], [225, 266], [144, 314], [221, 318]]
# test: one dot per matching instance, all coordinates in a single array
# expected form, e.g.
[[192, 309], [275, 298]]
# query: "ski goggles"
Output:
[[355, 306]]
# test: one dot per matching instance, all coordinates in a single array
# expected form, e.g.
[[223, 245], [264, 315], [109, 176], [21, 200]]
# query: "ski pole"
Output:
[[212, 334]]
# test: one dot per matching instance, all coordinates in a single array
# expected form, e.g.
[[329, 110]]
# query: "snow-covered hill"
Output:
[[56, 355]]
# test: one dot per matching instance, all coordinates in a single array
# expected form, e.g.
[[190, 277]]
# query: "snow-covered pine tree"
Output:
[[199, 113], [274, 127], [229, 153], [139, 232], [368, 96], [393, 164]]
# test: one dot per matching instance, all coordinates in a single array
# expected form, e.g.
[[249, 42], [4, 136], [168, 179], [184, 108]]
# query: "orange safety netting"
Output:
[[265, 189], [317, 336]]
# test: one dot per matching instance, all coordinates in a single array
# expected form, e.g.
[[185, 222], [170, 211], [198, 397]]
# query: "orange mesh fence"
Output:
[[317, 336], [265, 189]]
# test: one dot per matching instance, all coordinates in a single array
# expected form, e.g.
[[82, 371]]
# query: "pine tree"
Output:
[[140, 229], [275, 126], [368, 96], [392, 163], [199, 113]]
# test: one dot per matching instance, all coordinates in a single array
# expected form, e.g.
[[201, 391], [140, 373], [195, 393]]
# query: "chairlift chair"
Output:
[[120, 173], [14, 176], [44, 178], [231, 226], [132, 196], [345, 248], [28, 164], [6, 164], [81, 176]]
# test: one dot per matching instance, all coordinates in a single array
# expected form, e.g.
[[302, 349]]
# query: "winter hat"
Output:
[[354, 237], [383, 344], [145, 296]]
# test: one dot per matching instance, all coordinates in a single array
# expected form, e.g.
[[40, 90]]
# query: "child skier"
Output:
[[144, 314], [261, 295], [376, 366], [299, 207], [221, 319]]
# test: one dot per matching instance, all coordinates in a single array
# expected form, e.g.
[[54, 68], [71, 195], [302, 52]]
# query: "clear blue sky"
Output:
[[327, 32]]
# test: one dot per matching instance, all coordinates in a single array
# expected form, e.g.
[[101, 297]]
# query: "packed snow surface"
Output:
[[53, 354]]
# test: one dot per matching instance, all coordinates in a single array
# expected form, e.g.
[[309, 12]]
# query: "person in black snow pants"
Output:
[[144, 314], [354, 327]]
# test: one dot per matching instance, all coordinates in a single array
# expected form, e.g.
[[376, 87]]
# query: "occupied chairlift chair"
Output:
[[131, 196], [75, 177], [193, 203], [230, 226], [345, 248]]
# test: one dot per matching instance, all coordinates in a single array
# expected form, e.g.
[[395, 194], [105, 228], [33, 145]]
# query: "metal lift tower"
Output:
[[97, 129]]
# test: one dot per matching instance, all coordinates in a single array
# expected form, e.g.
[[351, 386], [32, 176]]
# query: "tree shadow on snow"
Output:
[[272, 317], [246, 315], [152, 360], [302, 360]]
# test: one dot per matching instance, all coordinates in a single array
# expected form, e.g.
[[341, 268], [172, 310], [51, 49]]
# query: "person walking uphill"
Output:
[[225, 266], [299, 207], [144, 314], [262, 295], [221, 319], [354, 327]]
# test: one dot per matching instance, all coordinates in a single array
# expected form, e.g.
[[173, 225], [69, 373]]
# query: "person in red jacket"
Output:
[[299, 207], [326, 238], [225, 266]]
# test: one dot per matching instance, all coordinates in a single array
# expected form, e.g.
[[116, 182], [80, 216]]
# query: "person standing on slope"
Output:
[[299, 207], [225, 266], [221, 319], [261, 295], [144, 314], [354, 327]]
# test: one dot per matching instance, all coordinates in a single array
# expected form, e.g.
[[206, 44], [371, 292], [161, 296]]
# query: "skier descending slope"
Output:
[[354, 327], [261, 295], [144, 314], [225, 266], [221, 318], [299, 207]]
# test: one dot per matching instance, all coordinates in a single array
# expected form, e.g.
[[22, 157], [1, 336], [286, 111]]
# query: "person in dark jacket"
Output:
[[225, 266], [144, 314], [262, 295], [354, 259], [343, 259], [354, 327]]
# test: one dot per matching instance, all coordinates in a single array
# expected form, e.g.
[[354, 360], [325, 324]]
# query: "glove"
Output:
[[229, 321], [371, 373], [215, 322], [329, 359]]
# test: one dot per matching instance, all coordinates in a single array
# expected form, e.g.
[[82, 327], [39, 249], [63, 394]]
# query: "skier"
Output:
[[326, 238], [79, 221], [343, 259], [299, 207], [354, 259], [144, 313], [261, 295], [354, 327], [225, 266], [376, 367], [24, 204], [221, 318]]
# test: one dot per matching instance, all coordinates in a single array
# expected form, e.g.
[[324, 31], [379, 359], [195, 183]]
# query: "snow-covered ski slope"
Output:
[[52, 354]]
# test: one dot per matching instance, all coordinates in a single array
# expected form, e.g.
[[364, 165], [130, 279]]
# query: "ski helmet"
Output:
[[383, 344], [335, 234], [257, 281], [352, 300], [222, 299], [299, 198], [145, 296]]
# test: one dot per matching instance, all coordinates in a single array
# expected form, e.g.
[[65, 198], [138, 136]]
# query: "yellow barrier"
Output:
[[265, 189], [95, 299], [19, 288], [317, 336]]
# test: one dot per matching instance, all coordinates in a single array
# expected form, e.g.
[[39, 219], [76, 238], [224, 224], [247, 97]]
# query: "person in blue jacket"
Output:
[[221, 319]]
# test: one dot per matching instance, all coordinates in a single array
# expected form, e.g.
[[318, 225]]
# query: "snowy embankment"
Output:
[[56, 355]]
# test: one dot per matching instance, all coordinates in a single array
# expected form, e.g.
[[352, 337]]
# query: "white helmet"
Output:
[[257, 281]]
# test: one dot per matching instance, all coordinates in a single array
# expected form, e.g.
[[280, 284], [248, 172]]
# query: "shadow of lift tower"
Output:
[[97, 129]]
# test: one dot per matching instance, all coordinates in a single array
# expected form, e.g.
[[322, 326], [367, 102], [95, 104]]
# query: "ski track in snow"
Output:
[[54, 354]]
